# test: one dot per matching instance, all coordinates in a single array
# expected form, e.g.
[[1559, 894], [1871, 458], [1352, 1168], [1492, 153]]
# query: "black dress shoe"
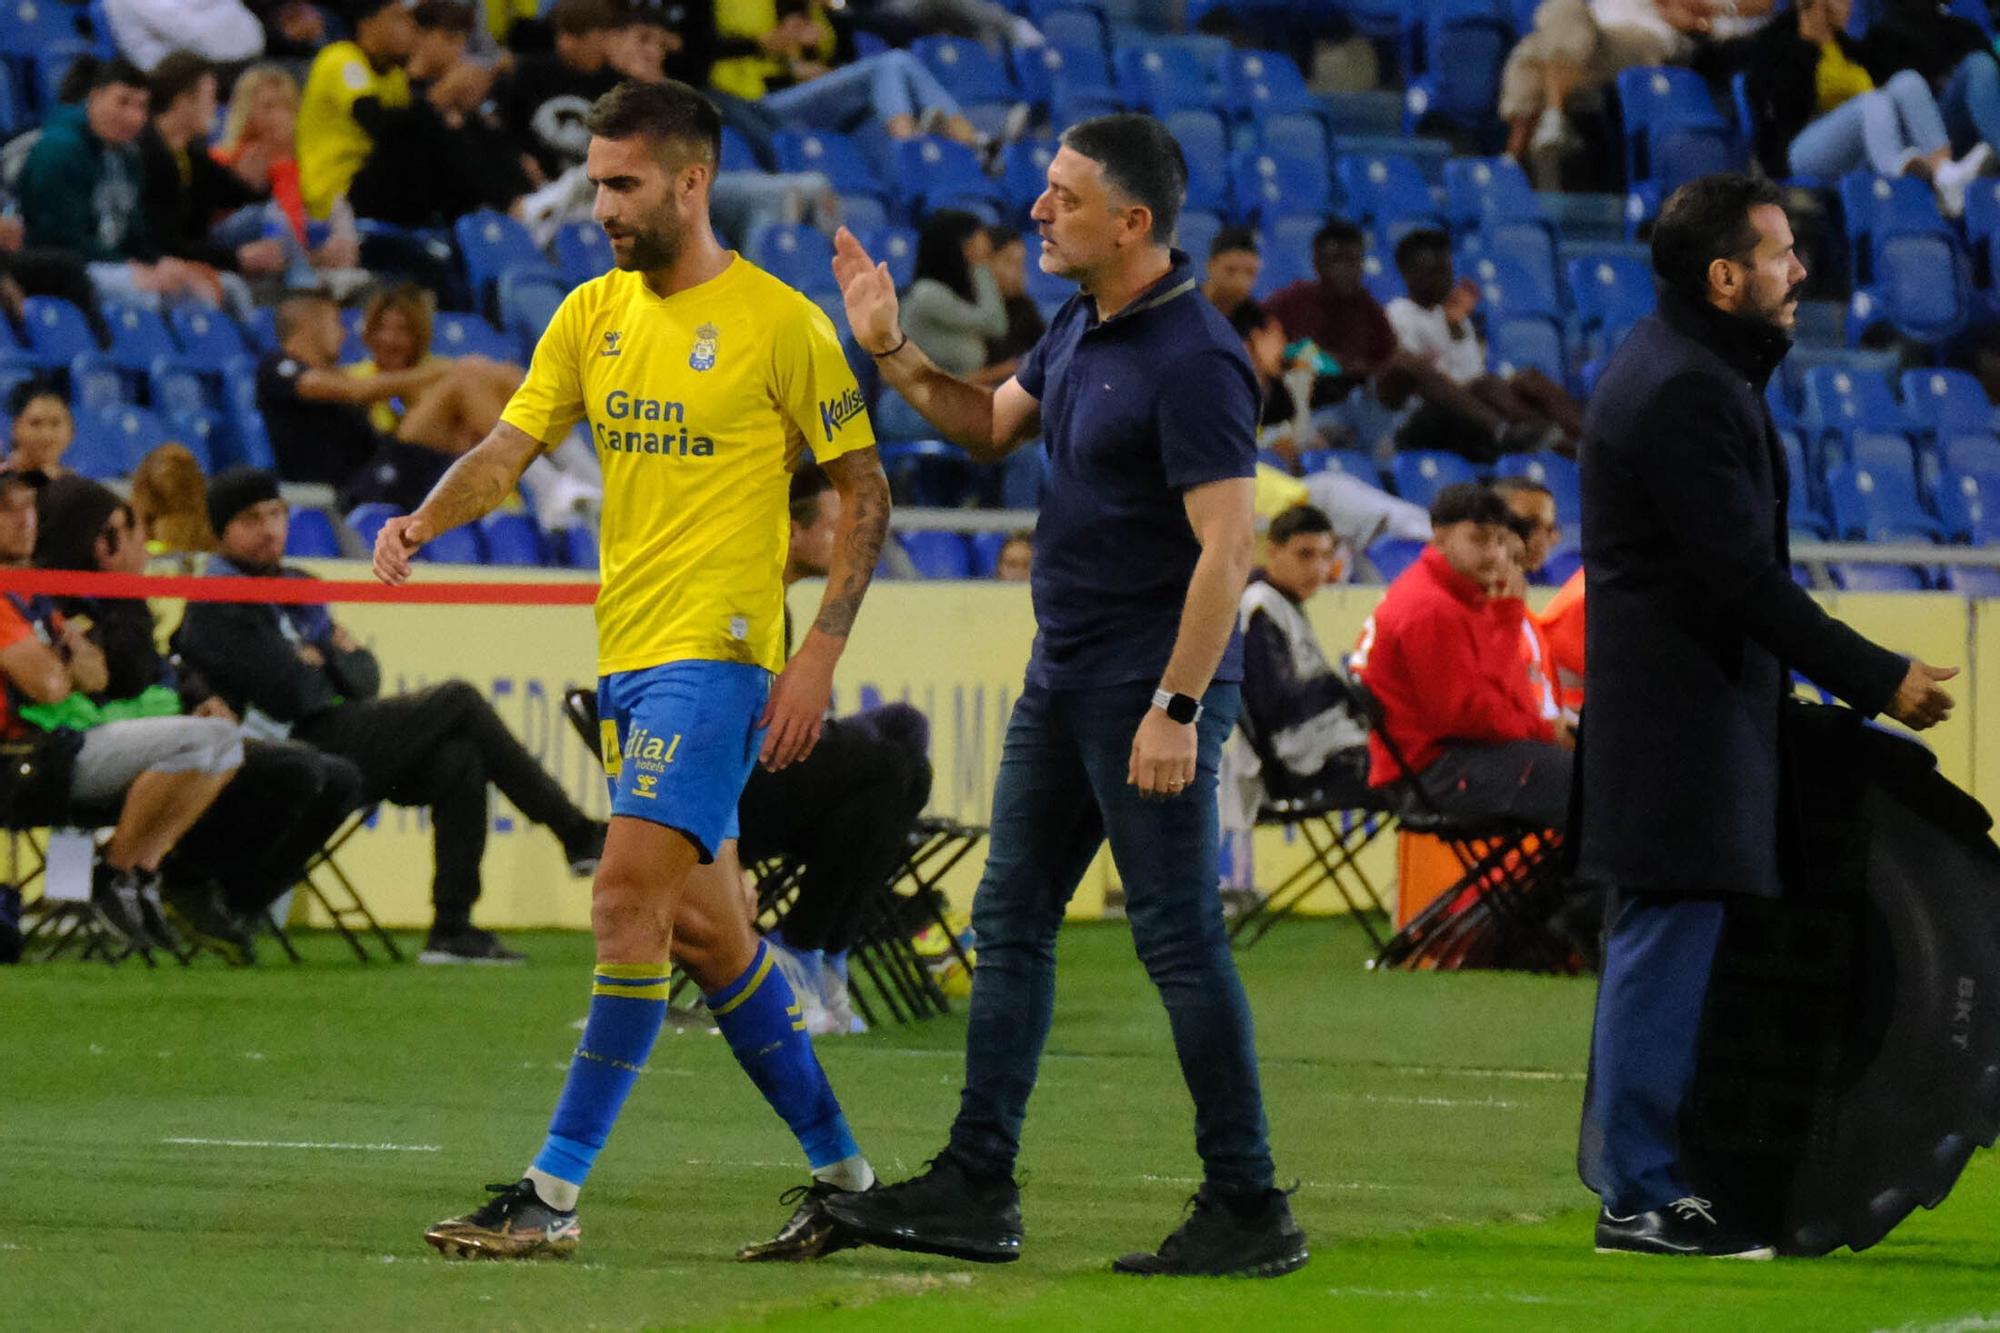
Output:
[[1253, 1237], [946, 1210], [1685, 1226]]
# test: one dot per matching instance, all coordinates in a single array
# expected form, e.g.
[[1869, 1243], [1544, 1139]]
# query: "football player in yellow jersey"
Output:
[[703, 381]]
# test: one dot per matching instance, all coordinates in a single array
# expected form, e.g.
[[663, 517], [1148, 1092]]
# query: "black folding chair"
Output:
[[57, 927], [326, 883]]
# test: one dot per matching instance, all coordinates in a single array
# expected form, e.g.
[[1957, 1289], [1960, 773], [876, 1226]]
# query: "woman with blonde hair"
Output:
[[259, 143], [170, 502]]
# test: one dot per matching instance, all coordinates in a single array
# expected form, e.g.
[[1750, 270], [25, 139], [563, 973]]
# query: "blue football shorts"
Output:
[[678, 742]]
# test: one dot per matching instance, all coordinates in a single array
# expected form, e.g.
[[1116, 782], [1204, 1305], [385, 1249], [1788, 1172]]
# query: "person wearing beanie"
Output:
[[291, 670], [286, 800]]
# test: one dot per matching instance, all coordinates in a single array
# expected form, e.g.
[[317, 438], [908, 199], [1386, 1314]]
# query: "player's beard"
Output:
[[655, 248]]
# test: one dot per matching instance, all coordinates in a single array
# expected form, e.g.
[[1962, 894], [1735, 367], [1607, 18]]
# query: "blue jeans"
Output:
[[1061, 792], [1882, 130], [1658, 954], [1971, 103], [894, 83]]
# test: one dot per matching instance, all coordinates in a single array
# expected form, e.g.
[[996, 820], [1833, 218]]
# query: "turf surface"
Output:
[[175, 1161]]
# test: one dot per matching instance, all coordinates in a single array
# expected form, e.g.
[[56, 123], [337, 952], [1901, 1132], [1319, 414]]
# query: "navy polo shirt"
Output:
[[1136, 410]]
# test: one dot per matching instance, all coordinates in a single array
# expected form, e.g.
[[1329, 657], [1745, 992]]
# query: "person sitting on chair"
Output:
[[1443, 657], [290, 670], [1297, 703], [160, 773]]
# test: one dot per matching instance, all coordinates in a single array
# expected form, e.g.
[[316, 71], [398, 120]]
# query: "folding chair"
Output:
[[63, 919], [338, 898]]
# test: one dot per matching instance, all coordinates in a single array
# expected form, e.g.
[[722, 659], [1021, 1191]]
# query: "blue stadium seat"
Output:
[[174, 388], [1419, 474], [933, 173], [1874, 208], [202, 432], [459, 546], [1287, 247], [795, 254], [1672, 127], [1611, 293], [208, 338], [1526, 246], [1970, 453], [737, 154], [134, 431], [528, 300], [1973, 580], [367, 520], [1801, 503], [1071, 79], [576, 547], [52, 65], [1258, 86], [1296, 134], [978, 79], [138, 337], [97, 451], [583, 252], [1489, 189], [927, 472], [1841, 401], [1868, 576], [1204, 142], [834, 156], [896, 247], [512, 538], [1507, 285], [249, 441], [1527, 342], [1073, 27], [1351, 461], [1941, 402], [1024, 174], [57, 331], [1194, 233], [938, 555], [1464, 43], [16, 368], [261, 329], [1161, 77], [95, 384], [311, 536], [1383, 280], [490, 244], [1554, 471], [1969, 504], [1871, 505], [985, 548], [1922, 290], [1268, 183], [1380, 186], [1392, 555], [455, 333]]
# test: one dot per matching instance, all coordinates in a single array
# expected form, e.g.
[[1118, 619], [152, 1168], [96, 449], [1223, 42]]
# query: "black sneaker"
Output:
[[586, 849], [196, 911], [158, 928], [945, 1211], [810, 1233], [1218, 1241], [116, 902], [466, 944], [1685, 1226], [513, 1224]]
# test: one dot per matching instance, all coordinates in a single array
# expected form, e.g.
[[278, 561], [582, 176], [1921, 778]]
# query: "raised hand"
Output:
[[399, 539], [869, 293]]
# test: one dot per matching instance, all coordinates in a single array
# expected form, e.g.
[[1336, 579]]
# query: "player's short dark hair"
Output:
[[1422, 241], [1469, 502], [177, 73], [580, 18], [808, 484], [86, 74], [1706, 220], [1234, 240], [1140, 159], [1514, 485], [668, 113], [1301, 520], [28, 390], [1341, 230], [444, 16]]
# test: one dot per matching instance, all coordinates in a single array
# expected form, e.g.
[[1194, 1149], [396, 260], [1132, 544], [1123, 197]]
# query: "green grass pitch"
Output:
[[168, 1167]]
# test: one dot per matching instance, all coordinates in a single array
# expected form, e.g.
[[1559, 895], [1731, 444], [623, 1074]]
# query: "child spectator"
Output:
[[39, 429]]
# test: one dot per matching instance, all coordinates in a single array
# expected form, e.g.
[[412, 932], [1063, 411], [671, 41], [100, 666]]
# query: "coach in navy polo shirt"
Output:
[[1148, 408]]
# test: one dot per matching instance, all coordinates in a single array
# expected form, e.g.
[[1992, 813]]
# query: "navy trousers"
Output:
[[1658, 952]]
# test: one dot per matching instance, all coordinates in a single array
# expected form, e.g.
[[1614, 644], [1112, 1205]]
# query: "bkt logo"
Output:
[[834, 415]]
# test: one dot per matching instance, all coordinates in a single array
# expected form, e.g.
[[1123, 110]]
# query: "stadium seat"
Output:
[[261, 329], [1941, 403], [1392, 555], [455, 333], [1419, 474], [1204, 142], [1874, 208], [1970, 453], [367, 520], [1072, 26], [311, 536], [1267, 183], [1611, 293], [938, 555], [1464, 43], [208, 338], [795, 254], [138, 336], [1161, 77], [16, 368], [57, 331], [978, 79], [95, 384], [1673, 129], [1869, 576], [52, 65], [1506, 284], [96, 451], [985, 550], [1287, 247], [1841, 401], [927, 472], [1870, 505], [1258, 86], [1880, 452], [896, 247], [1479, 190], [834, 156], [1969, 504], [528, 300], [249, 441], [1195, 233], [1554, 471], [1523, 342], [1973, 580], [1382, 186], [1801, 501], [492, 243], [583, 252], [134, 431], [1024, 174], [934, 173], [202, 432], [459, 546], [511, 538], [576, 547], [1922, 290], [1351, 461], [737, 154]]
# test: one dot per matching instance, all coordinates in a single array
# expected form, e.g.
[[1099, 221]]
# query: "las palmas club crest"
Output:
[[703, 355]]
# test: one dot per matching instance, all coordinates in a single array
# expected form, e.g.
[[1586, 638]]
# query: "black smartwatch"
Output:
[[1181, 708]]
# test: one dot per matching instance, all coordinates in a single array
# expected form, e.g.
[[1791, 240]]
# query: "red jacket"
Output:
[[1445, 662]]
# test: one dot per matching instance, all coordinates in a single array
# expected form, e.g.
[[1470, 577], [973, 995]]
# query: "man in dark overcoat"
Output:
[[1695, 627]]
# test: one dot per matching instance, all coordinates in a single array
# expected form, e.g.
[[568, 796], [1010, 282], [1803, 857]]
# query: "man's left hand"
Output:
[[1163, 755], [797, 709]]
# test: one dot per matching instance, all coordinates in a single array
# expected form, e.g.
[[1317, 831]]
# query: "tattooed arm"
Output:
[[799, 698], [474, 486]]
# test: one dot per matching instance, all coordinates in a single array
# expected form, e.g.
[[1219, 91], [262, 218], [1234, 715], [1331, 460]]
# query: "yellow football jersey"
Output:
[[331, 143], [700, 405]]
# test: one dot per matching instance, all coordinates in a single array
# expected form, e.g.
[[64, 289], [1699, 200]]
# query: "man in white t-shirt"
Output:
[[1434, 322]]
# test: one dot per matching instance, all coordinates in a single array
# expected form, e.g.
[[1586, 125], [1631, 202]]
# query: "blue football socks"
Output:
[[628, 1003], [761, 1020]]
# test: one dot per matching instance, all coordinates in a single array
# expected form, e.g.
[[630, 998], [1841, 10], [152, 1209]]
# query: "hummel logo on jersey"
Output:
[[834, 415], [612, 339]]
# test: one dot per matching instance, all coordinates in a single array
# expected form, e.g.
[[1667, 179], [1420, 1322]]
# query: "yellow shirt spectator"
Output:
[[332, 144], [749, 77], [1838, 78]]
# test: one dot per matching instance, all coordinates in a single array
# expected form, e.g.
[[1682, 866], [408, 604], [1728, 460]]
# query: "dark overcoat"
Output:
[[1694, 623]]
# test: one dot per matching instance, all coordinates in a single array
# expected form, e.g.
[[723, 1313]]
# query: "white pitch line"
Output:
[[288, 1143]]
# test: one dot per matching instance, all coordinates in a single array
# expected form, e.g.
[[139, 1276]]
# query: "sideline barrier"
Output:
[[956, 650]]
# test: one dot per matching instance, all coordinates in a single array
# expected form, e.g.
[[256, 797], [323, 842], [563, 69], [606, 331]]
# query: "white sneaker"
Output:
[[833, 997], [805, 987], [1953, 179], [1551, 131]]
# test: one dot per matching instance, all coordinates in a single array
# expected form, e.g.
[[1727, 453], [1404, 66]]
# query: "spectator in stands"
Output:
[[185, 190], [1536, 656], [170, 503], [1955, 57], [221, 31], [396, 329], [160, 773], [1818, 112], [1297, 705], [1442, 656], [352, 99], [81, 190], [283, 804], [545, 97], [259, 143], [1234, 265], [1534, 506], [441, 156], [844, 812], [799, 75], [1560, 623], [1434, 324], [317, 418], [45, 271], [39, 429], [898, 22], [1016, 561], [1025, 324], [951, 310], [291, 670]]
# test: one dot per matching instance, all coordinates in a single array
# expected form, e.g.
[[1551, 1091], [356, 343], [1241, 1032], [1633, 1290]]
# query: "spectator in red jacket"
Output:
[[1443, 656]]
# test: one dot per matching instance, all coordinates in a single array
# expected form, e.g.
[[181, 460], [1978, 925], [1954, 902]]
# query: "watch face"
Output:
[[1182, 708]]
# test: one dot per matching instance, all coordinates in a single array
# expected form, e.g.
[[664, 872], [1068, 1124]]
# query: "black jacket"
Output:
[[182, 207], [1695, 623], [248, 652]]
